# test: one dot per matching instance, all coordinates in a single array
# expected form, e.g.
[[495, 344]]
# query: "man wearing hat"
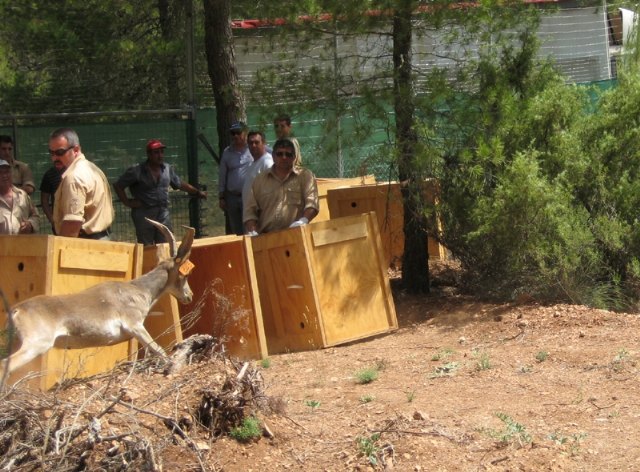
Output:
[[20, 171], [148, 183], [17, 213], [234, 164]]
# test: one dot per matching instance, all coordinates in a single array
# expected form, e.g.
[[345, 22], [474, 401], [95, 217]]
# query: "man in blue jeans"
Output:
[[149, 183]]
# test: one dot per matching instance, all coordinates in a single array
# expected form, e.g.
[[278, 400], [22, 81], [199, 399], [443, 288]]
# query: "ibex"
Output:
[[102, 315]]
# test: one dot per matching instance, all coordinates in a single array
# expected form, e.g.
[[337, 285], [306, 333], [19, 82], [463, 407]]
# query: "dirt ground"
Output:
[[461, 386]]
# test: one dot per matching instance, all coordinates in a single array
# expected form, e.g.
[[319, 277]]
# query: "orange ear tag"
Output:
[[186, 267]]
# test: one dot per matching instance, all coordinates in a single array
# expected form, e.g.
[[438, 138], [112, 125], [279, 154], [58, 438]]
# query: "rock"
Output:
[[418, 415]]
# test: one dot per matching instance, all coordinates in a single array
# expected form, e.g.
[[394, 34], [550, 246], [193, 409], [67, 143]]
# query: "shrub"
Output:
[[247, 431]]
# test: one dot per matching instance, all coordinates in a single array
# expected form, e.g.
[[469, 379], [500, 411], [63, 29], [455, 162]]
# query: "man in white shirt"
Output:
[[262, 160]]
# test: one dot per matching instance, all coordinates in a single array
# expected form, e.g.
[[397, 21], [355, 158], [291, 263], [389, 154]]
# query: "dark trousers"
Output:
[[146, 233]]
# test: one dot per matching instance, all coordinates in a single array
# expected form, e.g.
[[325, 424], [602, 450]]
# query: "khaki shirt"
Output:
[[21, 174], [276, 203], [83, 195], [21, 210]]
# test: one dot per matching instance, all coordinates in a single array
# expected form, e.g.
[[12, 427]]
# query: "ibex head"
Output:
[[178, 267]]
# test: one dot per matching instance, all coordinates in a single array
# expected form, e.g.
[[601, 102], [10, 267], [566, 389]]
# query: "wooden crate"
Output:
[[325, 184], [323, 284], [386, 200], [163, 322], [51, 265], [226, 302]]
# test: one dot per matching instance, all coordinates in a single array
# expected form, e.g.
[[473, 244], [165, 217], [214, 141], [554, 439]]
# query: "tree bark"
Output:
[[415, 260], [171, 17], [221, 65]]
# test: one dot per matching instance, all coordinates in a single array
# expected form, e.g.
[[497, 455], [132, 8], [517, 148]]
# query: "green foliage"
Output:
[[367, 398], [265, 363], [367, 375], [483, 361], [570, 443], [313, 404], [512, 432], [442, 354], [541, 356], [368, 447], [62, 54], [249, 430], [541, 199]]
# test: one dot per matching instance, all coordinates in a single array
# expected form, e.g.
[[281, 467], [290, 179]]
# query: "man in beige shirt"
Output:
[[17, 213], [82, 205], [20, 172], [283, 197]]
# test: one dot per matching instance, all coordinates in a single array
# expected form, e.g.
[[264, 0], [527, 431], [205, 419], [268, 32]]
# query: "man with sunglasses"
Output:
[[149, 184], [234, 163], [82, 203], [283, 197]]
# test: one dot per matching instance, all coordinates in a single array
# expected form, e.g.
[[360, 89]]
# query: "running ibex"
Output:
[[102, 315]]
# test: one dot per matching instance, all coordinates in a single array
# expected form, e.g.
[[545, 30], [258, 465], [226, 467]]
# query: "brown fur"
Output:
[[102, 315]]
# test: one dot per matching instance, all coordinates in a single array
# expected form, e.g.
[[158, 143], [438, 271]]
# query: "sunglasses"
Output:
[[235, 133], [60, 152], [290, 155]]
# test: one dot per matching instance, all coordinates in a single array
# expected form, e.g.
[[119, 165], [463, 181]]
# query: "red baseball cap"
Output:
[[155, 144]]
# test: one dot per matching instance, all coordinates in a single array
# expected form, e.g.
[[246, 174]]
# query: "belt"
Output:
[[233, 194], [98, 235]]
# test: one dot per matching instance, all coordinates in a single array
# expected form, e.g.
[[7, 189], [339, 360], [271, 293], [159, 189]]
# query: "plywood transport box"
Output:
[[323, 284], [386, 200], [163, 321], [225, 303], [324, 184], [52, 265]]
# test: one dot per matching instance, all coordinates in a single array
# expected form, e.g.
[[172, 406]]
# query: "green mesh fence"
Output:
[[114, 146], [117, 141]]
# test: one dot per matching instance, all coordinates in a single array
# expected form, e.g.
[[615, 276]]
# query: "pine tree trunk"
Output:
[[222, 68], [415, 269], [171, 18]]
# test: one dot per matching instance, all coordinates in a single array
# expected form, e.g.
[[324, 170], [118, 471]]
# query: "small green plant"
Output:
[[265, 363], [247, 431], [368, 447], [410, 395], [366, 376], [618, 361], [445, 370], [570, 443], [366, 398], [513, 431], [525, 369], [484, 362], [442, 354], [541, 356], [313, 404], [621, 355]]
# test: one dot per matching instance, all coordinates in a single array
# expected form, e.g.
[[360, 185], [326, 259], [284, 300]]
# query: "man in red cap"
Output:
[[148, 183]]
